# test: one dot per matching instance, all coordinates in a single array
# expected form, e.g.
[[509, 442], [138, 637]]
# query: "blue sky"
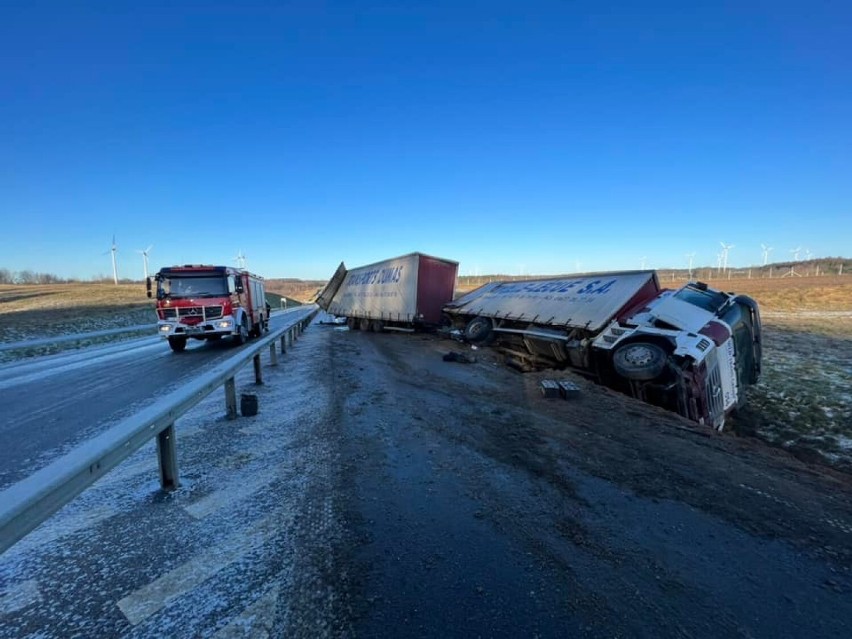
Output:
[[514, 137]]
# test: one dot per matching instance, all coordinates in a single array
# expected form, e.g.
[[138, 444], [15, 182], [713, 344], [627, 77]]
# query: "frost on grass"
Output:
[[21, 327], [803, 401]]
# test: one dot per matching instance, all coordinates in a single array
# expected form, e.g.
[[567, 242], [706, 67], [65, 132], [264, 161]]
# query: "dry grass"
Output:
[[31, 312], [14, 299]]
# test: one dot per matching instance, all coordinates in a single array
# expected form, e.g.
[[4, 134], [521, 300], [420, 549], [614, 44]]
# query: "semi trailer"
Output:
[[693, 350], [401, 293]]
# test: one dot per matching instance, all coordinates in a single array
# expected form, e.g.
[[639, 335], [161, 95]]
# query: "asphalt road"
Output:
[[51, 404], [384, 492]]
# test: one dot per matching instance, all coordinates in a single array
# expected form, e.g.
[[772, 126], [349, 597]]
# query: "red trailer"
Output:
[[400, 293]]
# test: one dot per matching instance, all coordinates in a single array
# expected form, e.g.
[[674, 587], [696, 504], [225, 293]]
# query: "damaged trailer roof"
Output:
[[584, 301]]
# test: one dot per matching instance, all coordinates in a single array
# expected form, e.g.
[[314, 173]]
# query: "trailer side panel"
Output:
[[587, 301], [383, 291]]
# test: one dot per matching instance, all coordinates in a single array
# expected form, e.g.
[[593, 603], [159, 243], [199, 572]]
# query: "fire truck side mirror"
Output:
[[148, 285]]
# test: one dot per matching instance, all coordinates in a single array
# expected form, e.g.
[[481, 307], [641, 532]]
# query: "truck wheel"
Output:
[[242, 334], [376, 326], [352, 323], [178, 344], [639, 361], [365, 324], [479, 331]]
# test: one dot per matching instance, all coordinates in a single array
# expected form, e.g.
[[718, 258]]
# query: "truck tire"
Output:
[[479, 330], [639, 361], [242, 333], [178, 344], [256, 329], [352, 323], [377, 326], [364, 324]]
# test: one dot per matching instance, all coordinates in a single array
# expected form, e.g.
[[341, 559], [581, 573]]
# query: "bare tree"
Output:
[[6, 276], [25, 277]]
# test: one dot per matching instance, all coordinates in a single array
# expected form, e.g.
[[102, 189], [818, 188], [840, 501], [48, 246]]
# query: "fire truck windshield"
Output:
[[183, 286]]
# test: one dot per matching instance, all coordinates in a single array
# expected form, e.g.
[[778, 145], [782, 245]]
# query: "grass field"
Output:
[[803, 402]]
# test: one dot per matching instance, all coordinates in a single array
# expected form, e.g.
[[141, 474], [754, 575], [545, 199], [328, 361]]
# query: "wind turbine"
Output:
[[766, 251], [144, 255], [690, 256], [113, 250], [241, 260], [725, 249]]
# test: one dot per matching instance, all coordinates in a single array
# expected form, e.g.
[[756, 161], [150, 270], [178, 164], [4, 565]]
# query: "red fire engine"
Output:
[[209, 302]]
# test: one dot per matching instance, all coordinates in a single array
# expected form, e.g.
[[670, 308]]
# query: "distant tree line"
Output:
[[28, 277], [33, 277]]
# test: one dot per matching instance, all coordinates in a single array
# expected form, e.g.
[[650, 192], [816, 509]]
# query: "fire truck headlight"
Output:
[[224, 324], [165, 328]]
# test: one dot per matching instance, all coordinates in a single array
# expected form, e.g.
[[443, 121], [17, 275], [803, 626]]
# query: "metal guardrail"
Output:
[[25, 505]]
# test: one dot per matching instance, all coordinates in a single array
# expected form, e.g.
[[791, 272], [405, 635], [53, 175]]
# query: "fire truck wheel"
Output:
[[178, 344], [639, 361], [242, 335], [479, 331]]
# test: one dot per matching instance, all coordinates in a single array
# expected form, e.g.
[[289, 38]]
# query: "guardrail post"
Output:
[[231, 398], [167, 456], [258, 375], [273, 354], [284, 343]]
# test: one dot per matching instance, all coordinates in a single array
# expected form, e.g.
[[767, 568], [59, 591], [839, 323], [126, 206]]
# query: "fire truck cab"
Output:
[[207, 303]]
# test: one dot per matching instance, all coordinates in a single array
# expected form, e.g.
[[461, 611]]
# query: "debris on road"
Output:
[[551, 389], [454, 356], [569, 390]]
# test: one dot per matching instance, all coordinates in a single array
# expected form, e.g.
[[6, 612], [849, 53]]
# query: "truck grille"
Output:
[[201, 313], [715, 396]]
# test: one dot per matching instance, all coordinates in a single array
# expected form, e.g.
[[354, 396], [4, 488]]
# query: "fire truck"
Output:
[[207, 303]]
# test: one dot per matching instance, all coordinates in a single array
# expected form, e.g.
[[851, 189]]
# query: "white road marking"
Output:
[[256, 621], [234, 493], [18, 596], [149, 599]]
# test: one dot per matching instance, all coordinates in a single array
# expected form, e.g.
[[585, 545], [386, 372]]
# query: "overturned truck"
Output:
[[401, 293], [691, 350]]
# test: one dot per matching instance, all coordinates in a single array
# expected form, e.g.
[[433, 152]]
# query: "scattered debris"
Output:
[[519, 364], [551, 388], [569, 390], [453, 356], [248, 404]]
